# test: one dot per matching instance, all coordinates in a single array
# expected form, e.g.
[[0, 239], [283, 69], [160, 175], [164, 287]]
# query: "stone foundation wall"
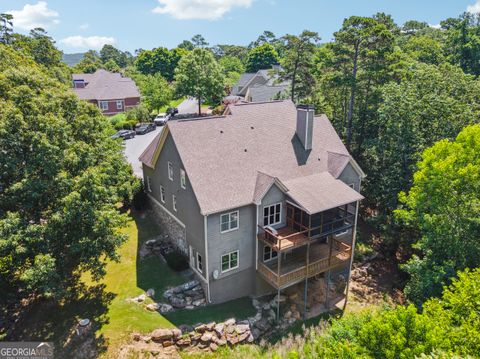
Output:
[[176, 233]]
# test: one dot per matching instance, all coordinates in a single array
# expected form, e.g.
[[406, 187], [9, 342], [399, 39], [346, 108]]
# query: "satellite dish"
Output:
[[215, 274]]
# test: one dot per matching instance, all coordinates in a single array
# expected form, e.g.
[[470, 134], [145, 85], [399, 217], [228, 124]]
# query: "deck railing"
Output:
[[300, 237], [342, 254]]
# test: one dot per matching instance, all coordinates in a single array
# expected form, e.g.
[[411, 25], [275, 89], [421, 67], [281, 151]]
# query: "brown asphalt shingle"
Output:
[[223, 156]]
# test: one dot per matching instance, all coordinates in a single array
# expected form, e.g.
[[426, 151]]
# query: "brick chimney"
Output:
[[305, 114]]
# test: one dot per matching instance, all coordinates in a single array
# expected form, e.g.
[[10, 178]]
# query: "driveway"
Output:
[[134, 147], [187, 106]]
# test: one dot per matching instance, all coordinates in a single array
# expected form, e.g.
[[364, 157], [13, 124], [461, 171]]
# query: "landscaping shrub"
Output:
[[140, 198]]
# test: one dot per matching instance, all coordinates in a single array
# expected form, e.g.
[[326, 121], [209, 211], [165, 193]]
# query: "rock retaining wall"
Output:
[[175, 231], [206, 337]]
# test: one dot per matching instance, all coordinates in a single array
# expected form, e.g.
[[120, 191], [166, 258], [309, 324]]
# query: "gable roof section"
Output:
[[224, 156], [320, 192], [105, 85], [149, 157]]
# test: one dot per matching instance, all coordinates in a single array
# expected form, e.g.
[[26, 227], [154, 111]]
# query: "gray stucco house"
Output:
[[263, 199]]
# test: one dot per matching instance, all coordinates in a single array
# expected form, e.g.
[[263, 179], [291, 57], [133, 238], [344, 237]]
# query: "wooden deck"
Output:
[[286, 238], [293, 266]]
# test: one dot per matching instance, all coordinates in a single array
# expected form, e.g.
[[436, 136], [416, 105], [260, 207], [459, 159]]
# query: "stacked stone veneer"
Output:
[[175, 231]]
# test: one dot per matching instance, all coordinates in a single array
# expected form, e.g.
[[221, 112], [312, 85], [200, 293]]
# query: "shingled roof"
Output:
[[105, 85], [232, 160]]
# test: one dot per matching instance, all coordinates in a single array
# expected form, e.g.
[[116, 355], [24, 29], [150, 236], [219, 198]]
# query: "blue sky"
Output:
[[129, 25]]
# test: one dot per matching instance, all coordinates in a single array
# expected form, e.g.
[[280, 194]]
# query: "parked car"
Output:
[[172, 111], [143, 128], [125, 134], [161, 119]]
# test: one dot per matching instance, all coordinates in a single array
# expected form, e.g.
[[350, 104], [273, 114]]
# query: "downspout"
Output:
[[207, 276], [256, 239], [352, 254]]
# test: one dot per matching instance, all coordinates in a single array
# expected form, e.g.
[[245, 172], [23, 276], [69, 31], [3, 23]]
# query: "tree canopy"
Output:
[[60, 184], [199, 75], [444, 206], [261, 57]]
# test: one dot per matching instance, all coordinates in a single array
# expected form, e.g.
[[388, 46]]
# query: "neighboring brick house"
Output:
[[261, 86], [261, 200], [110, 91]]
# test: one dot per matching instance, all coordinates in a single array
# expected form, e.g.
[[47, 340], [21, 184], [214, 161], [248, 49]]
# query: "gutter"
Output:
[[207, 276]]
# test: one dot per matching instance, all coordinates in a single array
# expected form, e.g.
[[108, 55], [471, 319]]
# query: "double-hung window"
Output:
[[272, 214], [269, 253], [174, 202], [103, 105], [229, 261], [229, 221], [170, 171], [119, 104], [162, 194], [199, 263], [183, 180]]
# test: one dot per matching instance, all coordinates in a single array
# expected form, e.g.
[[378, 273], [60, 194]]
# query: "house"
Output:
[[262, 86], [111, 92], [262, 200]]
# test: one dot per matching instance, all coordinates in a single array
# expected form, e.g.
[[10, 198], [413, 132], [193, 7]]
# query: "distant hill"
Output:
[[72, 59]]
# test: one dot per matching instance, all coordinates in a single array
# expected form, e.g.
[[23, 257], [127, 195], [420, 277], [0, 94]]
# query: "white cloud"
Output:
[[475, 8], [32, 16], [199, 9], [88, 42], [84, 26]]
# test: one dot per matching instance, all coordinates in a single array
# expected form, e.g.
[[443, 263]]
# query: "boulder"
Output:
[[243, 337], [150, 292], [147, 338], [185, 328], [230, 321], [184, 342], [189, 307], [178, 302], [188, 300], [232, 339], [206, 337], [256, 333], [221, 342], [161, 334], [177, 333], [201, 328], [210, 326], [242, 328], [167, 343], [219, 328], [153, 307], [213, 347], [165, 308], [198, 302], [189, 285], [140, 298], [136, 337], [256, 304], [288, 314], [195, 336]]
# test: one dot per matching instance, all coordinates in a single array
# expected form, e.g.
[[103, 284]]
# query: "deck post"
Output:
[[352, 252], [328, 289], [306, 268], [278, 280]]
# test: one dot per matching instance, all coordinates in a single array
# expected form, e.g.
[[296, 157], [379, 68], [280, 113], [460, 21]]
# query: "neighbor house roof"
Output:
[[242, 81], [105, 85], [262, 93], [232, 160]]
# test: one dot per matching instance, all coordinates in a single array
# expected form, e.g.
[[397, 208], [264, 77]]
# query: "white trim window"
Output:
[[170, 171], [183, 179], [229, 221], [162, 194], [119, 104], [174, 202], [230, 261], [103, 105], [272, 214], [269, 254], [199, 263], [148, 184]]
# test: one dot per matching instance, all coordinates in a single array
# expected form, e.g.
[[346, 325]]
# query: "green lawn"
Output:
[[173, 103], [113, 318]]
